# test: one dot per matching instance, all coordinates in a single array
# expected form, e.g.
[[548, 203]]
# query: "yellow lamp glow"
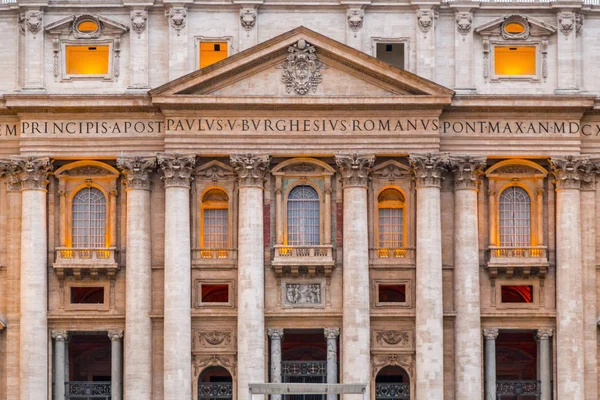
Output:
[[514, 61], [87, 60], [514, 27], [87, 26], [211, 52]]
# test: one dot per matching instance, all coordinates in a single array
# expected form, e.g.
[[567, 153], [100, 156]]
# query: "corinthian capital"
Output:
[[490, 333], [568, 171], [250, 169], [354, 168], [9, 170], [30, 172], [428, 169], [275, 333], [177, 169], [544, 333], [466, 169], [137, 171]]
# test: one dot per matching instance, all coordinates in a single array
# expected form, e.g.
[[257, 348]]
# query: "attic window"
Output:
[[514, 27], [87, 60], [212, 52], [391, 53], [515, 60]]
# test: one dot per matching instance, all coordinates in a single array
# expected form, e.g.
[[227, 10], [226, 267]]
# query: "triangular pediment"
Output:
[[533, 27], [301, 64], [68, 26]]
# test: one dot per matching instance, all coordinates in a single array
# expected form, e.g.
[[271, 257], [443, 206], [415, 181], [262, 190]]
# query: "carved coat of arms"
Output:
[[302, 68]]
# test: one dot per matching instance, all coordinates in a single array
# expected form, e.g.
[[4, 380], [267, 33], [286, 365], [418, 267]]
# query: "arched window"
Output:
[[89, 219], [390, 205], [515, 218], [215, 220], [303, 224]]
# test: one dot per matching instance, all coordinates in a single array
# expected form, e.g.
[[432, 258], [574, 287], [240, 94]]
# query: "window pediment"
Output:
[[79, 26], [303, 167], [505, 27]]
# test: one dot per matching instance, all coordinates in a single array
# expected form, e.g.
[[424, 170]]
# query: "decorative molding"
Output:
[[355, 17], [275, 333], [467, 169], [139, 21], [115, 335], [34, 21], [301, 70], [515, 19], [137, 171], [578, 24], [248, 18], [78, 19], [226, 361], [60, 336], [566, 22], [394, 338], [331, 333], [490, 333], [177, 17], [354, 168], [177, 169], [568, 171], [428, 169], [214, 171], [214, 338], [250, 169], [31, 172], [406, 361], [464, 22], [425, 19], [544, 333]]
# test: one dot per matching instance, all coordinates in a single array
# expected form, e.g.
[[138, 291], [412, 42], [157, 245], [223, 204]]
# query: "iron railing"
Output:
[[88, 390], [304, 372], [392, 391], [518, 389], [215, 391]]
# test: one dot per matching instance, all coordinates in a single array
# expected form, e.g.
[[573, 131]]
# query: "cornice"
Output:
[[54, 103], [523, 103]]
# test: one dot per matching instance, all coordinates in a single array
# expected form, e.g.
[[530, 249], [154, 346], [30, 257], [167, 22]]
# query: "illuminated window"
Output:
[[390, 204], [515, 218], [211, 52], [515, 61], [517, 294], [303, 223], [89, 219], [215, 220], [87, 60]]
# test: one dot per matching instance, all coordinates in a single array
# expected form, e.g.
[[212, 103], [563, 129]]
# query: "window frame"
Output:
[[537, 44], [72, 194], [231, 294], [292, 186], [204, 39], [404, 40], [212, 205], [531, 214], [377, 217], [537, 292], [64, 43], [385, 304], [86, 307]]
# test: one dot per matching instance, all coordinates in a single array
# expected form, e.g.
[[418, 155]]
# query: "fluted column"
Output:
[[569, 309], [116, 362], [490, 335], [467, 328], [356, 329], [138, 283], [544, 336], [276, 335], [177, 170], [31, 172], [251, 171], [428, 170], [60, 339], [331, 334]]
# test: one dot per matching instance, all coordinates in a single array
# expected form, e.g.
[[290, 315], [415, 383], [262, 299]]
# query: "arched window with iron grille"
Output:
[[89, 219], [303, 217], [515, 217]]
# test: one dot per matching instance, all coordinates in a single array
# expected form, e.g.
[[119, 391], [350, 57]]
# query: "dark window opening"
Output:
[[517, 294], [87, 295], [217, 47], [392, 293], [391, 53], [215, 293]]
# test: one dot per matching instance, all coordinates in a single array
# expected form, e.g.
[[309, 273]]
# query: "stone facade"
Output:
[[299, 103]]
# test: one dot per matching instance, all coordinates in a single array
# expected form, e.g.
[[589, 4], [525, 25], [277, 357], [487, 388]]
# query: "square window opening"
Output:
[[212, 52], [87, 60], [515, 60], [517, 294], [391, 53], [215, 293], [392, 293], [87, 295]]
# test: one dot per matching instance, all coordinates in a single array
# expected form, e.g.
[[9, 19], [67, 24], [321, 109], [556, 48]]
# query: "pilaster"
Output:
[[463, 51], [566, 52], [425, 41], [139, 49], [178, 41], [248, 26], [355, 15], [33, 70]]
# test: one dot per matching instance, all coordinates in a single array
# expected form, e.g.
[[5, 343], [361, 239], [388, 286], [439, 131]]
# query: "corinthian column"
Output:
[[331, 334], [177, 170], [115, 364], [138, 283], [544, 335], [428, 170], [60, 339], [251, 171], [276, 335], [356, 328], [32, 172], [490, 335], [467, 336], [569, 309]]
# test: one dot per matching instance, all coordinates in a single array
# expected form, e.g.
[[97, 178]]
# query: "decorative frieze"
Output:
[[177, 17], [406, 361], [201, 361], [248, 18], [568, 171], [355, 168], [251, 169], [137, 171], [428, 169], [214, 338], [467, 169], [139, 20], [394, 338], [464, 22], [301, 70], [30, 172], [177, 169]]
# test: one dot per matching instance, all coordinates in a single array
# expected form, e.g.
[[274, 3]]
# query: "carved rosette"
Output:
[[301, 70], [355, 168], [137, 171], [566, 22], [31, 172], [248, 18], [464, 22], [139, 20], [490, 333], [60, 336], [34, 21], [467, 170], [115, 335], [250, 169], [331, 333], [177, 17], [355, 18], [544, 333], [177, 169], [428, 169], [425, 18], [568, 171], [275, 333]]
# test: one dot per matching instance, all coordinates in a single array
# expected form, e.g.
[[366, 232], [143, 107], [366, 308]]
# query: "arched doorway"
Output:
[[215, 383], [392, 383]]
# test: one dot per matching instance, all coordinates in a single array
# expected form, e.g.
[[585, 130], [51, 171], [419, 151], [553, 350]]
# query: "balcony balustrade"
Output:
[[299, 259], [88, 390], [214, 257], [392, 391], [88, 260], [518, 389], [523, 259], [215, 391], [391, 256]]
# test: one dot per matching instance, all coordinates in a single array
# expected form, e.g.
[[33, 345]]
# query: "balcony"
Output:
[[383, 256], [214, 257], [518, 389], [85, 261], [309, 260], [215, 391], [517, 260], [392, 391], [88, 390]]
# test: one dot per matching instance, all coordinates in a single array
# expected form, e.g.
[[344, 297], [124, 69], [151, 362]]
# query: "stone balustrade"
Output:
[[85, 261]]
